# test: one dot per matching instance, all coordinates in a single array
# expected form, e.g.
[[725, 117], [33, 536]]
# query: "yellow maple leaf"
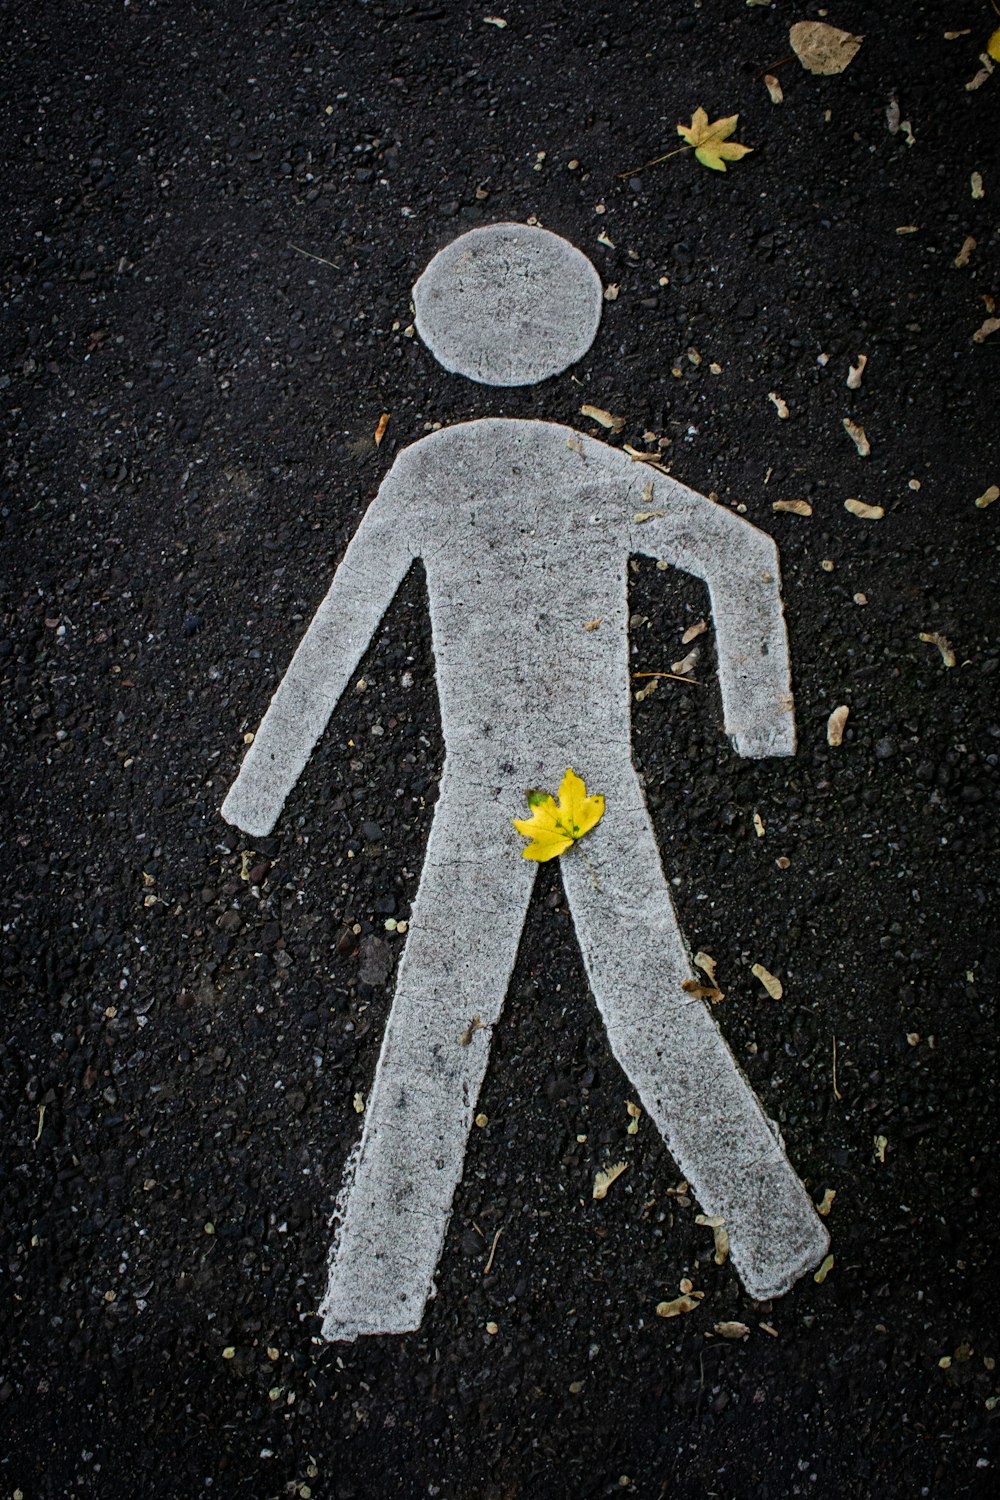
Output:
[[993, 45], [711, 142], [553, 827]]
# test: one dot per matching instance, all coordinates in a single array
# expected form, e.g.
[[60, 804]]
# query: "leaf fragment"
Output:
[[598, 414], [359, 1104], [976, 182], [823, 1208], [465, 1040], [702, 991], [820, 1276], [721, 1236], [758, 825], [993, 45], [606, 1176], [866, 512], [732, 1330], [821, 48], [855, 373], [382, 424], [693, 631], [647, 515], [988, 496], [794, 507], [879, 1148], [553, 828], [835, 725], [983, 332], [774, 89], [858, 437], [780, 406], [771, 983], [634, 1116], [686, 1303], [983, 74], [933, 638], [687, 664], [962, 258], [713, 148]]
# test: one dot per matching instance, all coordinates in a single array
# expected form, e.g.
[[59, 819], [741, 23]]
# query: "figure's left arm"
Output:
[[740, 566]]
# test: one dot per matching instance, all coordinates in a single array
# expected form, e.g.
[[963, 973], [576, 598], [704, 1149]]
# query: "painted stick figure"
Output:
[[525, 529]]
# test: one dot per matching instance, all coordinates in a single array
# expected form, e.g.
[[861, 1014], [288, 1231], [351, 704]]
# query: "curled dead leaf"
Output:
[[598, 414], [720, 1234], [682, 668], [794, 507], [634, 1114], [988, 497], [593, 624], [962, 258], [758, 824], [976, 182], [383, 423], [702, 991], [933, 638], [821, 48], [835, 725], [732, 1330], [648, 515], [774, 88], [866, 512], [879, 1148], [823, 1208], [983, 332], [858, 437], [855, 373], [771, 983], [606, 1176], [683, 1304], [693, 631], [820, 1276]]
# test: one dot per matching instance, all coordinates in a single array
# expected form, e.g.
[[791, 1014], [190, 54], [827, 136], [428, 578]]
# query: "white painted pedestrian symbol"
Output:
[[525, 530]]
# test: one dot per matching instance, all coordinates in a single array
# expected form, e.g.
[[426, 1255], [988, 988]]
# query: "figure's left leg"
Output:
[[675, 1056]]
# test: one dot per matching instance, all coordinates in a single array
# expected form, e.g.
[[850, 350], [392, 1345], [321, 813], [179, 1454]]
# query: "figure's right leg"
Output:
[[453, 976]]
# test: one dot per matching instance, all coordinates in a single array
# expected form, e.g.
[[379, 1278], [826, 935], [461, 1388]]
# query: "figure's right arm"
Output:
[[363, 587]]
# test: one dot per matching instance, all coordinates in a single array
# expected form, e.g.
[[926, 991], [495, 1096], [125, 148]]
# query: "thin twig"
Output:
[[674, 676], [309, 256], [493, 1251], [655, 162], [836, 1092], [593, 873], [771, 66]]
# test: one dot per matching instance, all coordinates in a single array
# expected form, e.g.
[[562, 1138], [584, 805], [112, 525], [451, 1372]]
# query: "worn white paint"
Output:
[[525, 529], [509, 304]]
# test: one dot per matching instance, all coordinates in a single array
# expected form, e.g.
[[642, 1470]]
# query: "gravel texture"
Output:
[[190, 402]]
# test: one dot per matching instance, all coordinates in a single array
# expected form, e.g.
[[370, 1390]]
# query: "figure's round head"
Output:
[[508, 305]]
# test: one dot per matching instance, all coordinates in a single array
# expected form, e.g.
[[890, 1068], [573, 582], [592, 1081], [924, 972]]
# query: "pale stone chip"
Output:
[[771, 983], [683, 1304], [855, 373], [606, 1176], [794, 507], [933, 638], [986, 498], [866, 512], [835, 725], [858, 437], [821, 48]]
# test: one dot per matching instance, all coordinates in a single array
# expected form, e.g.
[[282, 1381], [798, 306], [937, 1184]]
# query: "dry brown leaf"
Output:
[[795, 507], [611, 292], [774, 89], [858, 437], [823, 1208], [648, 515], [598, 414], [732, 1330], [962, 258], [780, 406], [855, 373], [866, 512], [821, 48], [758, 823], [359, 1104], [982, 75], [593, 624], [634, 1114], [682, 668], [720, 1234], [835, 725], [771, 983], [983, 332], [693, 631], [976, 181], [988, 497], [648, 690], [824, 1271], [684, 1304], [702, 991], [933, 638], [604, 1178], [706, 963], [783, 862], [383, 423]]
